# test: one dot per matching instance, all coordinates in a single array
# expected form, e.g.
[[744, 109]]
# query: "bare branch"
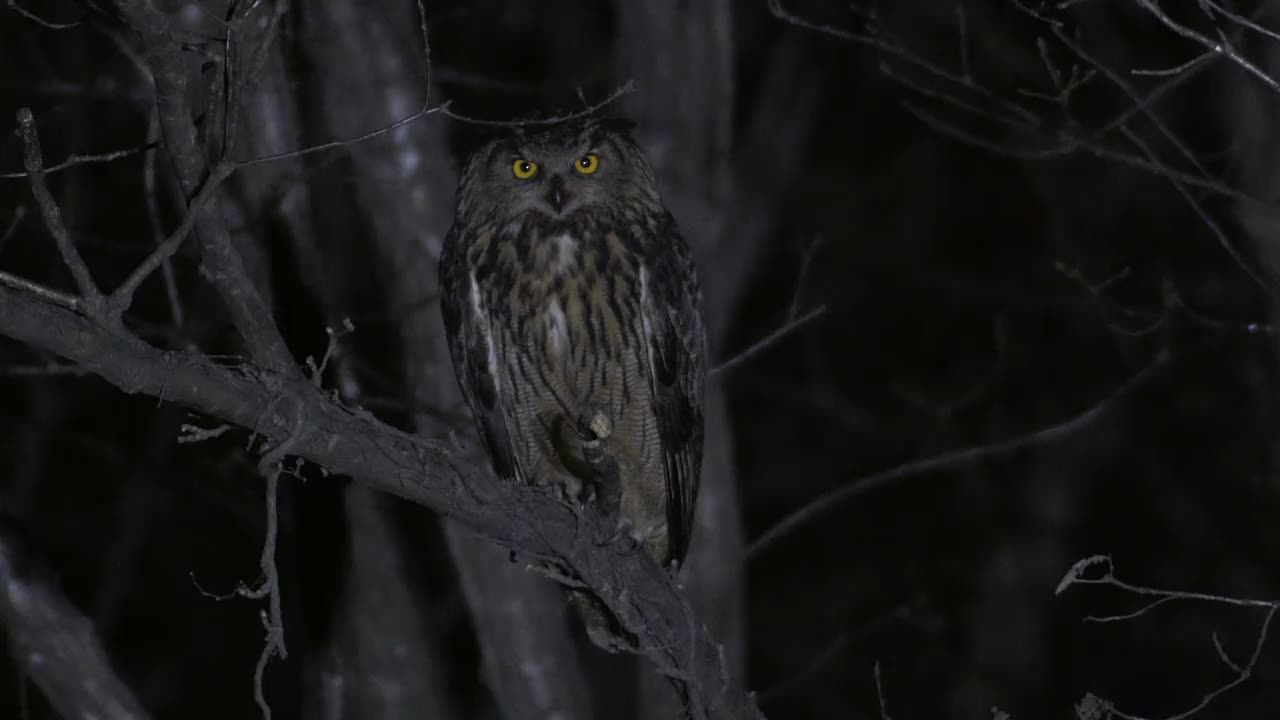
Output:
[[424, 111], [896, 50], [122, 298], [13, 5], [150, 190], [884, 711], [52, 215], [1078, 574], [1217, 47], [1218, 233], [270, 466], [822, 658], [225, 267], [1240, 20], [428, 472], [870, 483], [769, 340], [77, 159], [57, 297], [1164, 129], [625, 89]]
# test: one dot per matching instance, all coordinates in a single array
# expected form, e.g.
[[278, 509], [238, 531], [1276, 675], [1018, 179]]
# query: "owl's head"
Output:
[[557, 170]]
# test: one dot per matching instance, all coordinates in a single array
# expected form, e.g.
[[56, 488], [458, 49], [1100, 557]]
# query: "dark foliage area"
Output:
[[1049, 284]]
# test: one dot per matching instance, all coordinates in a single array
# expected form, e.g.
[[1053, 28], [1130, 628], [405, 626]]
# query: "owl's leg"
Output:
[[624, 533], [642, 513]]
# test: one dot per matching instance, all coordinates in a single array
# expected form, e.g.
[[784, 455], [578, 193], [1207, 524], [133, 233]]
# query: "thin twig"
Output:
[[13, 5], [768, 340], [122, 298], [152, 198], [802, 277], [1218, 233], [426, 50], [1241, 20], [1218, 47], [829, 501], [1164, 129], [1076, 575], [833, 648], [892, 49], [1175, 70], [423, 112], [52, 214], [1066, 145], [884, 709], [625, 89], [269, 466], [47, 294], [77, 159]]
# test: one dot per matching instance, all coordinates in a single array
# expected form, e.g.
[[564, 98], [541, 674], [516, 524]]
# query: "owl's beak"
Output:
[[557, 193]]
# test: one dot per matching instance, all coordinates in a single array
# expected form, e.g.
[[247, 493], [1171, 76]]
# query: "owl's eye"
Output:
[[588, 163], [524, 169]]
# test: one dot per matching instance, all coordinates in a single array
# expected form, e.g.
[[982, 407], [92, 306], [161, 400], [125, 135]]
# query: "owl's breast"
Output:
[[576, 312]]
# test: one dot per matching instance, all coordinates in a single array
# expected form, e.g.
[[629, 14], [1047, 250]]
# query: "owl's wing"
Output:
[[475, 360], [671, 312]]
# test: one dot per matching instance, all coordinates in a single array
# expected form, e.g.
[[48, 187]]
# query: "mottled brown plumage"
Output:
[[574, 319]]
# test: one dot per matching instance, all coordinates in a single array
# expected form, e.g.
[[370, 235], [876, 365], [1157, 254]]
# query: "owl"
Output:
[[574, 318]]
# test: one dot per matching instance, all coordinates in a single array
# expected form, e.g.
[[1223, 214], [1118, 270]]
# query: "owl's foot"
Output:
[[573, 504], [624, 536]]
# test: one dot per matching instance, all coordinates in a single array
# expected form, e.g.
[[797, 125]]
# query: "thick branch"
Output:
[[427, 472]]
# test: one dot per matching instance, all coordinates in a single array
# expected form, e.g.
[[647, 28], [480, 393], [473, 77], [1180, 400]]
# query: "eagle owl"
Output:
[[574, 318]]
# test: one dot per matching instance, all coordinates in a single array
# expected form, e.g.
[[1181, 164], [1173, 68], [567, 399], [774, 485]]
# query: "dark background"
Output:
[[972, 297]]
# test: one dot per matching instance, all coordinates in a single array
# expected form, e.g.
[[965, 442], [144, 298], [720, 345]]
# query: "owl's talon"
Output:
[[575, 507], [620, 534]]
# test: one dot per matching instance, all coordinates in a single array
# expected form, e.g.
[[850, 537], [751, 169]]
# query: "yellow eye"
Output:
[[588, 163], [524, 169]]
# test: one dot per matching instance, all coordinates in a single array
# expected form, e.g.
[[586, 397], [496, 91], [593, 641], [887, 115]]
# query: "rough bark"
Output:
[[432, 473]]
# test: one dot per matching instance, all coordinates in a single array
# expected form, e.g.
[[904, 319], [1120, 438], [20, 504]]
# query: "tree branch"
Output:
[[248, 312], [34, 163], [431, 473]]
